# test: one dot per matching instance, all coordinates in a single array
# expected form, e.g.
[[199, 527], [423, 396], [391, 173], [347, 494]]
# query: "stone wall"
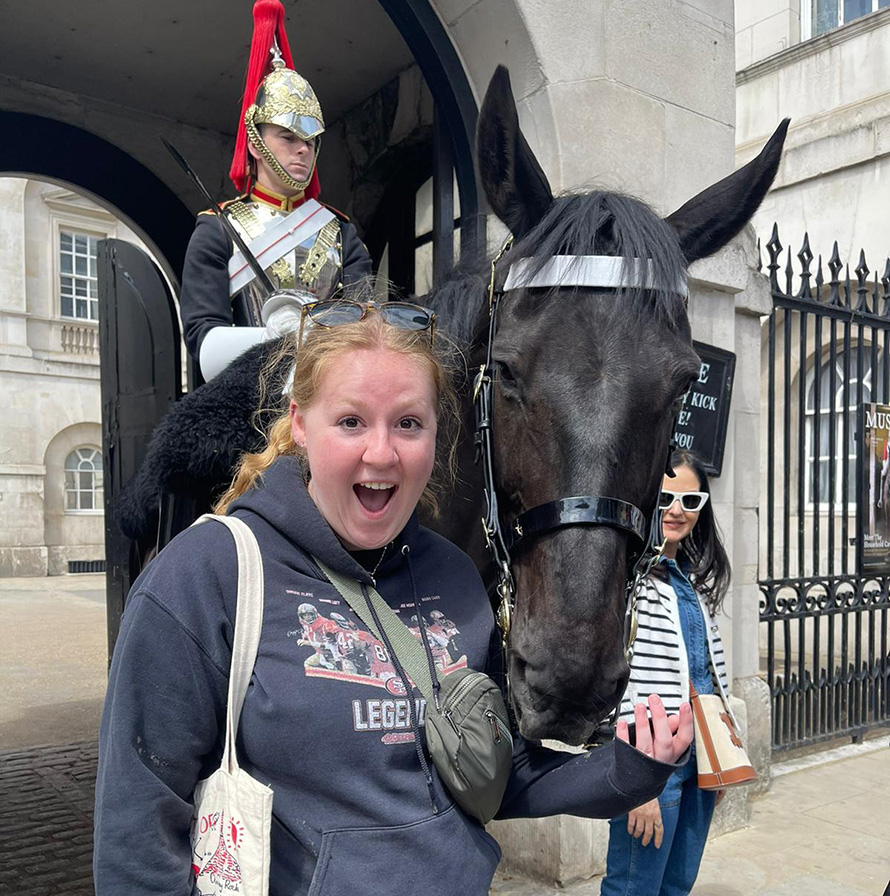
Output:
[[765, 27], [635, 97], [135, 132], [833, 181]]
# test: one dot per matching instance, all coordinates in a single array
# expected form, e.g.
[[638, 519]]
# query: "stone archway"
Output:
[[52, 150]]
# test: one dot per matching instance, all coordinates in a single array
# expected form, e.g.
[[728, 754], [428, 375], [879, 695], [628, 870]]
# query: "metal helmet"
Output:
[[285, 98], [437, 615], [307, 610]]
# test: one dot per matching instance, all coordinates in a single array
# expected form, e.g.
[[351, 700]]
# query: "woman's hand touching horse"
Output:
[[667, 738]]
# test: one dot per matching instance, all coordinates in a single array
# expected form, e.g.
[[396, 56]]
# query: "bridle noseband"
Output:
[[585, 510]]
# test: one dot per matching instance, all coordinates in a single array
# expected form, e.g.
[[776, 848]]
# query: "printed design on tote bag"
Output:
[[214, 863], [736, 741]]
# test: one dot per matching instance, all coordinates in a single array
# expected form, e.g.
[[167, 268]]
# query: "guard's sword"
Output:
[[255, 266]]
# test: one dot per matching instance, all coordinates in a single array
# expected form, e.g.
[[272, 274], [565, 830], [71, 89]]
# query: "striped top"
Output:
[[660, 665]]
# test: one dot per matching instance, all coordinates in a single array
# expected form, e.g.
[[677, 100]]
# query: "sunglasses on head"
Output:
[[691, 502], [337, 312]]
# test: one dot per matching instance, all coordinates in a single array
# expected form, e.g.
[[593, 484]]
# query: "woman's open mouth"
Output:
[[374, 496]]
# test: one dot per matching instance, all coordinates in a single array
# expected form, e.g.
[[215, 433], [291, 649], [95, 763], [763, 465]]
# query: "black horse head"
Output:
[[588, 381]]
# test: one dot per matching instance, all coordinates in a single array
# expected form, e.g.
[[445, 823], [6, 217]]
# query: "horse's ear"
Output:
[[516, 187], [710, 220]]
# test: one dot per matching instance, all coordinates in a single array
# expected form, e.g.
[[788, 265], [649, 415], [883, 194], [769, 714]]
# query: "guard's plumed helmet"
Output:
[[286, 98], [274, 93]]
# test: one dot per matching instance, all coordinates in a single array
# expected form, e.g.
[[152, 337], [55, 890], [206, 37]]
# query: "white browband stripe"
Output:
[[587, 270]]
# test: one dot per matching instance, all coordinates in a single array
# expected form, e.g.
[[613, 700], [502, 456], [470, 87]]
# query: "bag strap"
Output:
[[693, 693], [407, 648], [248, 626]]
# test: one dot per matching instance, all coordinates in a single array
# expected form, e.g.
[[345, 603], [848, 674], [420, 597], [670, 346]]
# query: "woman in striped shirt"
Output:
[[656, 849]]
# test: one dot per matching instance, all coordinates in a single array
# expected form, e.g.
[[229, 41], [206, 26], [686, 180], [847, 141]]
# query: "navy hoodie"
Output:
[[326, 722]]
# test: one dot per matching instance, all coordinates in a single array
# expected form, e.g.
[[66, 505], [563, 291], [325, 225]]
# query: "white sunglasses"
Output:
[[690, 502]]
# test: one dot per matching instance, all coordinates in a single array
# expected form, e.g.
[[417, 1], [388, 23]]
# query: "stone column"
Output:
[[13, 326], [728, 299]]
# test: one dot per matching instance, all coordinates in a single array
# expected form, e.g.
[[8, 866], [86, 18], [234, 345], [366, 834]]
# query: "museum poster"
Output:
[[874, 504]]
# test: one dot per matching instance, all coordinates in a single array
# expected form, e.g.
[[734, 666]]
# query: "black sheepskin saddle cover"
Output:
[[194, 450]]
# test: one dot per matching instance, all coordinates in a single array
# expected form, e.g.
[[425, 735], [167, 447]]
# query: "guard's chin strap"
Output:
[[562, 270]]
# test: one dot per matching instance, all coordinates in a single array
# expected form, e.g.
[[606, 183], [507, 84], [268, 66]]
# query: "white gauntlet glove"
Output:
[[281, 314]]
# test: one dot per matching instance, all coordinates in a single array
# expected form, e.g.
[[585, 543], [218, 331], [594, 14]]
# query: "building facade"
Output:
[[834, 84], [826, 65], [51, 478]]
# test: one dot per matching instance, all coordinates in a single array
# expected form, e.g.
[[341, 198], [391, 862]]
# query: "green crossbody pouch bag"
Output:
[[467, 730]]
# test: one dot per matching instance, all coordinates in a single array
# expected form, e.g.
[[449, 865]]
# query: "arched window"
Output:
[[83, 480], [838, 401]]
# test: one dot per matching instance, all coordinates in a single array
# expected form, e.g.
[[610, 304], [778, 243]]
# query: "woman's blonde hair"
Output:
[[321, 347]]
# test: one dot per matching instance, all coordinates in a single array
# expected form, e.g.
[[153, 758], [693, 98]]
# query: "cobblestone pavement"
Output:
[[46, 820]]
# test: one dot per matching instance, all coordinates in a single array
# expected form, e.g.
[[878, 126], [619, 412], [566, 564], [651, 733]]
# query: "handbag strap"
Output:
[[248, 626], [407, 648]]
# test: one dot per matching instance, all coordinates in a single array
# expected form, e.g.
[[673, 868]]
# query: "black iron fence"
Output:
[[824, 632]]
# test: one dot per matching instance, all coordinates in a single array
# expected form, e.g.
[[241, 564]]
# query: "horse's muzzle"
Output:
[[567, 711]]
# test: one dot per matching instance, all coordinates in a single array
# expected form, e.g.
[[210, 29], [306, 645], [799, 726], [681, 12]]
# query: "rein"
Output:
[[589, 510]]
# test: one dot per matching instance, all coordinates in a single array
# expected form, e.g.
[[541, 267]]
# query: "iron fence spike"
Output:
[[789, 274], [774, 247], [805, 256]]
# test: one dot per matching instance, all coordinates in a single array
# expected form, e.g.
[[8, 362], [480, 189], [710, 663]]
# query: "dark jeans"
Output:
[[637, 870]]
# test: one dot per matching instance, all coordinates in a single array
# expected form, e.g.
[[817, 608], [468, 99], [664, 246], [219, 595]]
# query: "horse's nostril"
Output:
[[518, 668]]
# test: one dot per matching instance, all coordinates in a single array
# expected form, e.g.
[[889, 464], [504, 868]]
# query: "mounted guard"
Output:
[[307, 250]]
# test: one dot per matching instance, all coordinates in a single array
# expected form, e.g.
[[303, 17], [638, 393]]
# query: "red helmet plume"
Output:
[[268, 28]]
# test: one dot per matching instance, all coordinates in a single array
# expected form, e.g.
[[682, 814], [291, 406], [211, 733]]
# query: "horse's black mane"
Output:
[[597, 223]]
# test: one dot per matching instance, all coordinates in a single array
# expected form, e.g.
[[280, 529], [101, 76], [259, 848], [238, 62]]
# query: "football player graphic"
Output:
[[437, 641], [354, 653], [381, 665], [319, 633], [443, 627]]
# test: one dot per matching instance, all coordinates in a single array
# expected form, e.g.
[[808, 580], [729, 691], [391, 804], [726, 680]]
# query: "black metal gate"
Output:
[[824, 632]]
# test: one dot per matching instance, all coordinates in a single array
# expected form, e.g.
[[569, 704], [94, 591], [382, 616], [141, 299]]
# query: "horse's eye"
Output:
[[680, 400], [506, 381]]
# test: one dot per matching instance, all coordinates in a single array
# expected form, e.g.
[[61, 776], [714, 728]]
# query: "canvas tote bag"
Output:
[[719, 753], [233, 812]]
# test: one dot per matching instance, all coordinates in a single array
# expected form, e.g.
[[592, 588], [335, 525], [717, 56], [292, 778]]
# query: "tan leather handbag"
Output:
[[720, 755]]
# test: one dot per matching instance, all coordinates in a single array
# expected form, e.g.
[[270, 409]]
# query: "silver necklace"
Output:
[[382, 555]]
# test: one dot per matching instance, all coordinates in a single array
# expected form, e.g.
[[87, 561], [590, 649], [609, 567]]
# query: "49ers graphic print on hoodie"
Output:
[[342, 649]]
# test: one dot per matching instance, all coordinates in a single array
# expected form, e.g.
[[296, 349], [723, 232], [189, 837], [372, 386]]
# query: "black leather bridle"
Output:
[[580, 510]]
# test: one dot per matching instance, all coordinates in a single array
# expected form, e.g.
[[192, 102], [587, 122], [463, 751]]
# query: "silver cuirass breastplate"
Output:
[[313, 266]]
